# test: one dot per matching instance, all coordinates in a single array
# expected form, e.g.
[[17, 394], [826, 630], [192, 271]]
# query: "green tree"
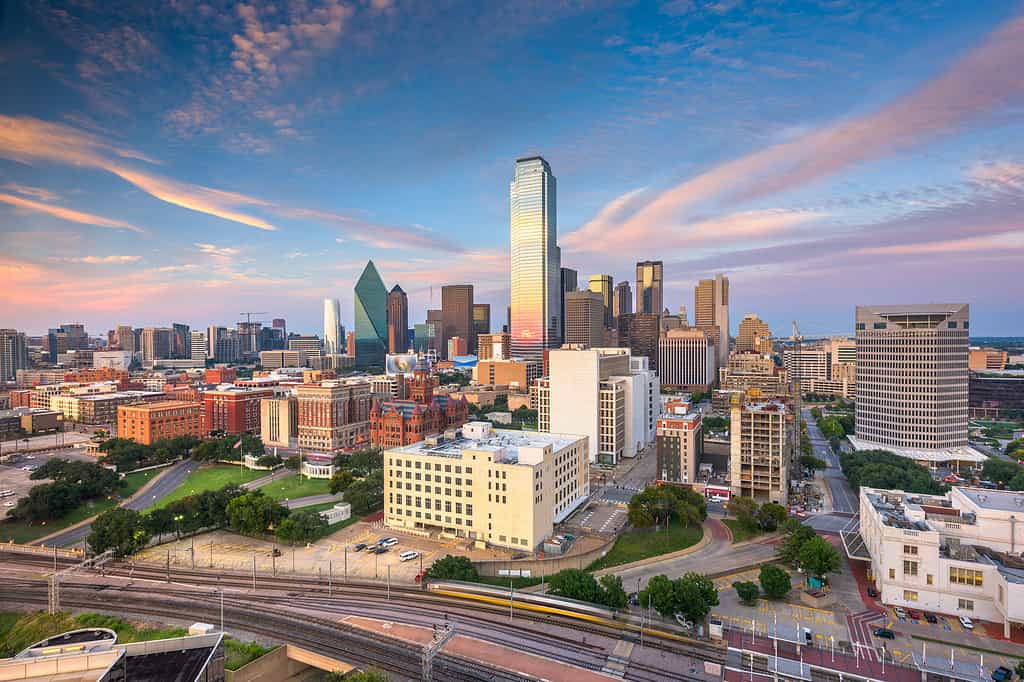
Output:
[[695, 595], [366, 495], [292, 463], [745, 511], [340, 481], [819, 558], [660, 594], [575, 584], [884, 469], [789, 549], [300, 527], [774, 581], [253, 513], [159, 521], [365, 676], [812, 462], [657, 505], [612, 593], [771, 515], [453, 568], [118, 529], [747, 592], [999, 470], [47, 502], [1019, 668]]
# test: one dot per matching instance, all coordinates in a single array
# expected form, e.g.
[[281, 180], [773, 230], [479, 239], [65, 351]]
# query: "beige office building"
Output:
[[493, 346], [279, 421], [761, 449], [515, 373], [334, 414], [912, 380], [754, 335], [585, 315], [686, 359], [711, 312], [499, 488]]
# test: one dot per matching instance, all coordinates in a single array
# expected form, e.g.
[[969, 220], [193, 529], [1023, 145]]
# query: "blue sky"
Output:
[[188, 160]]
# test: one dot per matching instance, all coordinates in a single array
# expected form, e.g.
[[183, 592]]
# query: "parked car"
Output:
[[379, 549], [359, 547], [682, 620], [1002, 674], [930, 617], [914, 613], [873, 593], [387, 542], [966, 622], [884, 633], [900, 612], [408, 555], [10, 504]]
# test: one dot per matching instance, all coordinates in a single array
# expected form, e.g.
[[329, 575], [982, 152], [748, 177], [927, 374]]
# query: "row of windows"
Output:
[[965, 576]]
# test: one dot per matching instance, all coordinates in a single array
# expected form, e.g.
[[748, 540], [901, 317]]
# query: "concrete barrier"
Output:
[[546, 566]]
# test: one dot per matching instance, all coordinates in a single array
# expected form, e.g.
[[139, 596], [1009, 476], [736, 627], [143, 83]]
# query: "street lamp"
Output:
[[177, 524]]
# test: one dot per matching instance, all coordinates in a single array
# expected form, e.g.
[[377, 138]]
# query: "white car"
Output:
[[387, 542], [408, 556], [10, 504], [684, 622], [966, 622], [900, 612]]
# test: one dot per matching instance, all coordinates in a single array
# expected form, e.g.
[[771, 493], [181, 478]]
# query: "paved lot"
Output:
[[16, 479], [48, 441], [600, 516]]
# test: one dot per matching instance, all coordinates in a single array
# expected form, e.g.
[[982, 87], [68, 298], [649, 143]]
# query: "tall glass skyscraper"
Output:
[[333, 339], [649, 286], [371, 315], [536, 262]]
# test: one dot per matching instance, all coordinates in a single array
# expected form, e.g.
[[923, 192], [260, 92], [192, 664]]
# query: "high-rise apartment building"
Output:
[[806, 365], [333, 336], [622, 299], [502, 488], [199, 348], [310, 345], [761, 449], [536, 285], [13, 354], [181, 341], [602, 284], [680, 446], [249, 335], [753, 335], [640, 332], [126, 338], [371, 315], [912, 379], [280, 323], [334, 414], [711, 311], [156, 343], [584, 319], [686, 359], [481, 320], [457, 315], [650, 287], [398, 320], [570, 280]]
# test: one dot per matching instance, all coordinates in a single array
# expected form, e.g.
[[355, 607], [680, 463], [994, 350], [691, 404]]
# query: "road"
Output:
[[844, 500], [717, 556], [300, 502], [163, 487]]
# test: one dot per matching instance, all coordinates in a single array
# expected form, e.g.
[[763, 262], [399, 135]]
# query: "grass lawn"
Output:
[[240, 653], [739, 532], [209, 478], [641, 543], [18, 630], [294, 487], [23, 532]]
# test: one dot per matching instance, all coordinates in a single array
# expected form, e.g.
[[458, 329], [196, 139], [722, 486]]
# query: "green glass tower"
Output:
[[371, 315]]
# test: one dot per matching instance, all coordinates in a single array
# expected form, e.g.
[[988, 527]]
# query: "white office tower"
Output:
[[912, 381], [334, 338], [536, 274], [199, 346]]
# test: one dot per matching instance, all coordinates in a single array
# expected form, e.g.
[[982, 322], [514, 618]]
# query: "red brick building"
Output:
[[233, 410], [221, 375], [90, 375], [421, 388], [403, 422], [149, 422], [21, 398]]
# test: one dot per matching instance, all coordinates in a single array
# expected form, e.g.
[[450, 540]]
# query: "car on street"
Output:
[[884, 633], [387, 542], [359, 547], [873, 593], [966, 623], [408, 555], [930, 617], [914, 614], [1002, 674], [379, 549], [900, 612]]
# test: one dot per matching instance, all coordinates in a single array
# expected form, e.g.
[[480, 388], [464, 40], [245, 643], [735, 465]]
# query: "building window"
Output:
[[910, 549], [910, 568], [892, 574], [965, 576], [965, 604], [909, 595], [929, 579]]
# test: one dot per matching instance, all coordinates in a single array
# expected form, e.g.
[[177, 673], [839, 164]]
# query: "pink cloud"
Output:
[[68, 214]]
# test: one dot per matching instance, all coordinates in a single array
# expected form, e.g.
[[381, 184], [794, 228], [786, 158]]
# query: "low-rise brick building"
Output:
[[233, 409], [149, 422], [402, 422]]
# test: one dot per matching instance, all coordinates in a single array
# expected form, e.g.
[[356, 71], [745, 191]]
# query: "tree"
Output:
[[657, 505], [453, 568], [612, 593], [575, 584], [368, 494], [695, 595], [1019, 668], [365, 676], [1000, 470], [47, 502], [660, 594], [789, 550], [292, 463], [818, 557], [774, 581], [340, 481], [884, 469], [253, 513], [745, 511], [811, 462], [747, 592], [301, 527], [268, 461], [715, 423], [118, 529], [771, 515]]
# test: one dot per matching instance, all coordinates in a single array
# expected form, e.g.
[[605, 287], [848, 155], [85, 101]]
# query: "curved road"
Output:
[[164, 485]]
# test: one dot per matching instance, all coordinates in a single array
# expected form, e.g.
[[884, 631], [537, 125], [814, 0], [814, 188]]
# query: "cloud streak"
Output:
[[68, 214]]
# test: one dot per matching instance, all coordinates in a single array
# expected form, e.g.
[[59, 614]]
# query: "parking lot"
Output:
[[15, 478], [336, 552], [910, 633], [600, 517]]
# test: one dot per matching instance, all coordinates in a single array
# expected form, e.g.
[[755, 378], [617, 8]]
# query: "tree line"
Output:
[[884, 469], [72, 482]]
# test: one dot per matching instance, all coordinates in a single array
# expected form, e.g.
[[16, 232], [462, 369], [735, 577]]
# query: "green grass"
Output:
[[642, 543], [24, 532], [294, 487], [740, 533], [18, 630], [209, 478], [241, 653]]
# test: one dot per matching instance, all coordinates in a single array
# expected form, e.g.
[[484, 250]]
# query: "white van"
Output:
[[408, 555]]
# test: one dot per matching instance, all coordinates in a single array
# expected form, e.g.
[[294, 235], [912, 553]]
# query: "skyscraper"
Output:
[[711, 312], [126, 338], [457, 315], [622, 299], [181, 341], [649, 285], [754, 335], [13, 354], [279, 323], [156, 343], [602, 284], [200, 348], [398, 320], [570, 280], [481, 319], [371, 315], [535, 261], [584, 319], [332, 327]]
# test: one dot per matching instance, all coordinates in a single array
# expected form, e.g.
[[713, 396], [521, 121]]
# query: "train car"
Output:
[[534, 601]]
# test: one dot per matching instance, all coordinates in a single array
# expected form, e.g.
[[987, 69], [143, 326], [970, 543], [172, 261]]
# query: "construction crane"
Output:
[[248, 316]]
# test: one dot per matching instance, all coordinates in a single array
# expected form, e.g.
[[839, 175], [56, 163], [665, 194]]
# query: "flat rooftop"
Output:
[[961, 454], [998, 500], [499, 440]]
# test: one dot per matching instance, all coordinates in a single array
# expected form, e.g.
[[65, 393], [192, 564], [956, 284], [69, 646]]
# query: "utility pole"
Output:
[[330, 579], [389, 582], [442, 633], [254, 572], [168, 565]]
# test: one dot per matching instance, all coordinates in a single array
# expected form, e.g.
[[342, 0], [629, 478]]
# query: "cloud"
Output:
[[68, 214], [99, 260], [372, 233], [177, 268], [1000, 174], [986, 78], [40, 193], [216, 251]]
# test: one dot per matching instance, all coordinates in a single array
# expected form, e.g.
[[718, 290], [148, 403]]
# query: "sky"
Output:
[[185, 161]]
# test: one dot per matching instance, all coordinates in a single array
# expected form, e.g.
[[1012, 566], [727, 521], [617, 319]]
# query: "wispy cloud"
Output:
[[98, 260], [373, 233], [68, 214], [40, 193]]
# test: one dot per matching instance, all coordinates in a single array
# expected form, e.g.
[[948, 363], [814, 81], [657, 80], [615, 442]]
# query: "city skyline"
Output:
[[880, 159]]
